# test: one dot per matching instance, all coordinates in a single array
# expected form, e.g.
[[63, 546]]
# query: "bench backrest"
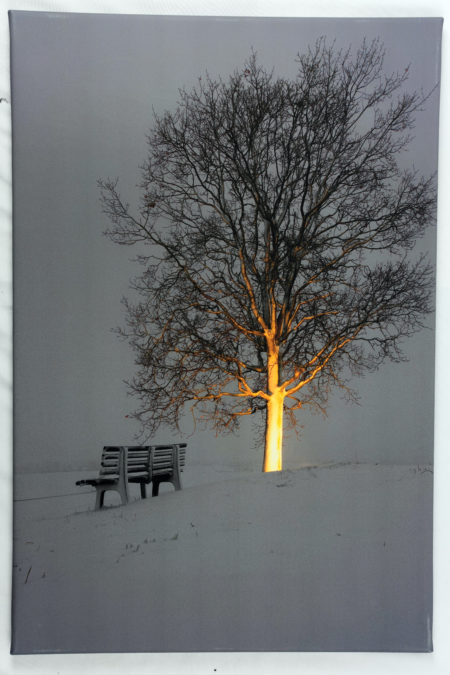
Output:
[[113, 458], [140, 461], [165, 458]]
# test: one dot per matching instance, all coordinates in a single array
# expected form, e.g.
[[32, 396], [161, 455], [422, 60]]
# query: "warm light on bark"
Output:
[[274, 434], [274, 418]]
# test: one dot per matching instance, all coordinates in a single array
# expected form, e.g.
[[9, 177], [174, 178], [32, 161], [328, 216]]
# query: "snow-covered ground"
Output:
[[325, 558]]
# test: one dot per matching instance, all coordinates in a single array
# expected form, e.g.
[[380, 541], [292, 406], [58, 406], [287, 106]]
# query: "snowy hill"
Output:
[[320, 559]]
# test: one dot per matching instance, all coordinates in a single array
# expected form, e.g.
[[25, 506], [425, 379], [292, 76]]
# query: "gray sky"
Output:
[[83, 91]]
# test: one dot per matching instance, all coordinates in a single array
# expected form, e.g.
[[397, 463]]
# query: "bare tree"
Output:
[[280, 224]]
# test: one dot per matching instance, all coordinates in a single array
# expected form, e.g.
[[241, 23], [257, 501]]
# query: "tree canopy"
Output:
[[281, 225]]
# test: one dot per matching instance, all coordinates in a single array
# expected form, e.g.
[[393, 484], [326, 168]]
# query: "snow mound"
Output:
[[318, 559]]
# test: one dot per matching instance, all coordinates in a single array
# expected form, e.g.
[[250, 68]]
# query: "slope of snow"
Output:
[[334, 558]]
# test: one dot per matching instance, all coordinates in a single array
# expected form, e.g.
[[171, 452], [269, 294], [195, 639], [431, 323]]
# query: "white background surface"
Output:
[[439, 661]]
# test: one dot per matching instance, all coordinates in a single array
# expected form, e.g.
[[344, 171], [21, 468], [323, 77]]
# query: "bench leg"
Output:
[[99, 499], [176, 479], [143, 490], [123, 491]]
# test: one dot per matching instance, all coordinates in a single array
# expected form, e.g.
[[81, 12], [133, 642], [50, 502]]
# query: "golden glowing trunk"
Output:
[[274, 416], [274, 433]]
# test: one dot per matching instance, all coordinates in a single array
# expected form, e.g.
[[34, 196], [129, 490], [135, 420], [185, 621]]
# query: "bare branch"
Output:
[[281, 231]]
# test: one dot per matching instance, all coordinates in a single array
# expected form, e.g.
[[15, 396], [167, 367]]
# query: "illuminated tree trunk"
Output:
[[274, 415], [274, 433]]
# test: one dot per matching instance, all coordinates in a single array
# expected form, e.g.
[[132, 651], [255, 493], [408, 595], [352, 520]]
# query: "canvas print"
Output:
[[224, 253]]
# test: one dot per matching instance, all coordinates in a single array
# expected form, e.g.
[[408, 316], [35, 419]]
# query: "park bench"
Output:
[[121, 465]]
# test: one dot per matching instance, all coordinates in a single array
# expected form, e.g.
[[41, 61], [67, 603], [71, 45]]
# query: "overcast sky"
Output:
[[83, 91]]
